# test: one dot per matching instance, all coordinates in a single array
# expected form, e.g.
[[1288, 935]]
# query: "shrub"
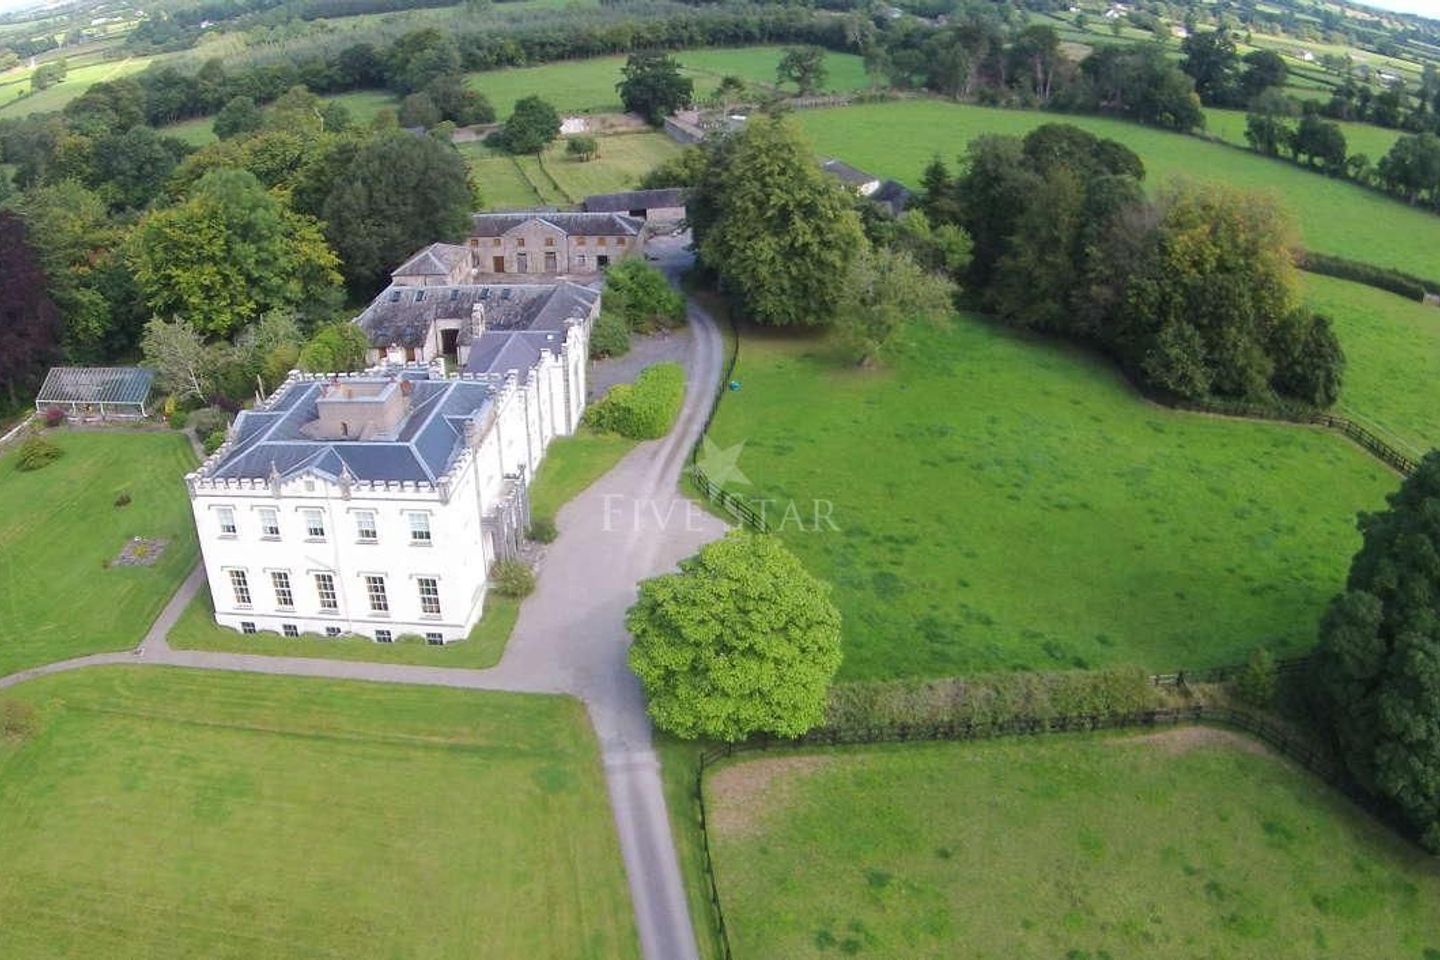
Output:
[[542, 530], [37, 452], [583, 149], [54, 416], [179, 419], [611, 336], [645, 409], [1394, 281], [209, 419], [513, 578], [123, 500], [1255, 684], [213, 440], [642, 295]]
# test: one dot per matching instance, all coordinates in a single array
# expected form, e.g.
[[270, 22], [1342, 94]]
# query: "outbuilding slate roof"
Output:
[[438, 259], [117, 385], [847, 174], [402, 316], [636, 200], [269, 440], [571, 224]]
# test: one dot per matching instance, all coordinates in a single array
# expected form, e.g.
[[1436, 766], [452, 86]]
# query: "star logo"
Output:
[[722, 466]]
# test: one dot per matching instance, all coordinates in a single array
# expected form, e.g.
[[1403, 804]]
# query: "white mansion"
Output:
[[376, 503]]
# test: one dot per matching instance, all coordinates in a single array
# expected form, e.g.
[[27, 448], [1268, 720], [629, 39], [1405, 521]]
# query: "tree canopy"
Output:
[[399, 193], [29, 321], [774, 228], [229, 253], [743, 640], [651, 85], [1377, 668], [532, 126]]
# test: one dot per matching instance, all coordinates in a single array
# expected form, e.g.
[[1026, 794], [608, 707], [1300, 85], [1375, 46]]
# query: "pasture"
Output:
[[555, 178], [158, 813], [1334, 216], [1392, 359], [1006, 503], [1181, 844], [60, 530], [1366, 138], [17, 101]]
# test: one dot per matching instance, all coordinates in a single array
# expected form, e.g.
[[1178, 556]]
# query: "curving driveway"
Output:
[[570, 637]]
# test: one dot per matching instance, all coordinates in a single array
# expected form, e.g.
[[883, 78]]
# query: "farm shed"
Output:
[[96, 392]]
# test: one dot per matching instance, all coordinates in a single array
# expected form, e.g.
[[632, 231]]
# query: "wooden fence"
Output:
[[737, 506]]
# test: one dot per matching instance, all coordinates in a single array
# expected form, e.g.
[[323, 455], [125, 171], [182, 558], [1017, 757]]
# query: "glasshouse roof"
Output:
[[109, 385]]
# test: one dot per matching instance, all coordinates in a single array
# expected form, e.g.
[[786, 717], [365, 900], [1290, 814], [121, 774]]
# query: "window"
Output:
[[580, 260], [520, 242], [241, 586], [325, 587], [365, 526], [226, 517], [435, 639], [270, 523], [495, 242], [289, 629], [549, 241], [332, 631], [383, 636], [579, 241], [247, 626], [429, 596], [375, 590], [314, 524], [284, 596], [600, 242], [419, 528]]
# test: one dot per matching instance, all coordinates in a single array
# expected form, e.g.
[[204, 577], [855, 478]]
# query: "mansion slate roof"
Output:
[[402, 316], [572, 224], [438, 259], [636, 200], [270, 440]]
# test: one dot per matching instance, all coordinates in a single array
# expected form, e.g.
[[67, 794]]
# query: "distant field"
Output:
[[59, 530], [1190, 843], [1366, 138], [77, 80], [1005, 503], [166, 814], [1334, 216], [1392, 352]]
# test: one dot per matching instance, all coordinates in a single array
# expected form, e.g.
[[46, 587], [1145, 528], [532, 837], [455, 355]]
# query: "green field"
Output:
[[197, 630], [60, 528], [1190, 843], [1392, 359], [174, 814], [554, 178], [77, 80], [1005, 503], [1334, 216]]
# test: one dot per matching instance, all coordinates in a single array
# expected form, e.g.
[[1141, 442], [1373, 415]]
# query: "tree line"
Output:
[[221, 265]]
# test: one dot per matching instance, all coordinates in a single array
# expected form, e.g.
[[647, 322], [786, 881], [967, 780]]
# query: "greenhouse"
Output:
[[96, 392]]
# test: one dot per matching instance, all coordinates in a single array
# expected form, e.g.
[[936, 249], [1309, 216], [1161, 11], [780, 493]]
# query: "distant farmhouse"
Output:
[[890, 195], [377, 503]]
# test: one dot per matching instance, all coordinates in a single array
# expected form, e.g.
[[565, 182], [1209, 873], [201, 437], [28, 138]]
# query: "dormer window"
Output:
[[395, 296], [455, 294], [419, 295]]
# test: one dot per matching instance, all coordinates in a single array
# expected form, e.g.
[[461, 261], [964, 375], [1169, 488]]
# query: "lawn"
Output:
[[571, 465], [1185, 844], [197, 630], [1392, 353], [59, 530], [171, 814], [1004, 503], [1334, 216]]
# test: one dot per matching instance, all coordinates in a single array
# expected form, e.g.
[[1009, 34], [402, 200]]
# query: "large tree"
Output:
[[804, 67], [29, 321], [1377, 669], [651, 85], [776, 230], [884, 290], [743, 640], [1210, 59], [229, 253], [531, 127], [399, 193]]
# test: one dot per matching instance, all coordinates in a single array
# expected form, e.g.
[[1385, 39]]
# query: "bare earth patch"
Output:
[[743, 795], [140, 552], [1185, 739]]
